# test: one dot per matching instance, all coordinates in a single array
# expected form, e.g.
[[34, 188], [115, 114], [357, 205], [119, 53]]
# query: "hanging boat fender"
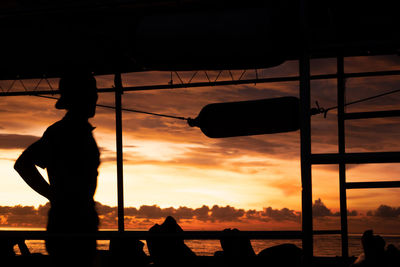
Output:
[[254, 117]]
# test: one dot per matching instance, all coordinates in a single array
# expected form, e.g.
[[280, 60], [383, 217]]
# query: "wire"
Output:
[[314, 111], [320, 110], [130, 110]]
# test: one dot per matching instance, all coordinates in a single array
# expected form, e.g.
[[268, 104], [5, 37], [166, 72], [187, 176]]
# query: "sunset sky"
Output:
[[248, 182]]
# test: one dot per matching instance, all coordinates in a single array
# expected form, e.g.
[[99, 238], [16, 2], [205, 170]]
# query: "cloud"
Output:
[[288, 187], [383, 219], [23, 210], [352, 213], [23, 216], [283, 214], [201, 214], [387, 211], [43, 210], [320, 210], [4, 210], [16, 141], [226, 214], [27, 114], [384, 211], [216, 213], [281, 145], [36, 217], [184, 213], [152, 212], [105, 209]]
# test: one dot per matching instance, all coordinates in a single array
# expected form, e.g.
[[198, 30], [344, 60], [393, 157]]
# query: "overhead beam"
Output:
[[211, 84]]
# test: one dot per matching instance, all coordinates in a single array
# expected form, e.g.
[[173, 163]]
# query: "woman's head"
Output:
[[78, 92]]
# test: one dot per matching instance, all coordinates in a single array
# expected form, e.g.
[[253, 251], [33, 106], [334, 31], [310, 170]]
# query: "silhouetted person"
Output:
[[392, 256], [374, 250], [127, 250], [374, 247], [169, 251], [375, 254], [236, 246], [237, 250], [281, 255], [70, 154]]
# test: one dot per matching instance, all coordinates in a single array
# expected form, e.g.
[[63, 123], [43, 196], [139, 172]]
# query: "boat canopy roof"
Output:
[[48, 38]]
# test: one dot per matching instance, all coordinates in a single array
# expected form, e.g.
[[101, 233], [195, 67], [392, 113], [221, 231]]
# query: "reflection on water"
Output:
[[324, 245]]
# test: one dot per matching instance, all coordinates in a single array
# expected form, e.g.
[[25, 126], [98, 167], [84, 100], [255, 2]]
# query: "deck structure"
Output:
[[310, 44]]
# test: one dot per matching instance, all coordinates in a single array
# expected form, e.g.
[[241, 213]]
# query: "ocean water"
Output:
[[324, 245]]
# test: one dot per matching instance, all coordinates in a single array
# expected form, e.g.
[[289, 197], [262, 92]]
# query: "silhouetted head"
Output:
[[281, 255], [373, 245], [78, 94], [236, 246]]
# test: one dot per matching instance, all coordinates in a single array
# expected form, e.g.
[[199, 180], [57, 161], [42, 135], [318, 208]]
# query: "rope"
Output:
[[129, 110], [319, 110], [314, 111]]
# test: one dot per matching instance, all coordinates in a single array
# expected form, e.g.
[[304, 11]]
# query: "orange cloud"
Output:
[[16, 141], [215, 218]]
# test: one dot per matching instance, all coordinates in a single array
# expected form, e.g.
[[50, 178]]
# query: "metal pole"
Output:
[[118, 130], [305, 138], [341, 99], [306, 179]]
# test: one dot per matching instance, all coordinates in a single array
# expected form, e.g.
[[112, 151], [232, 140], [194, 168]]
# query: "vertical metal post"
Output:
[[118, 130], [305, 146], [305, 137], [341, 99]]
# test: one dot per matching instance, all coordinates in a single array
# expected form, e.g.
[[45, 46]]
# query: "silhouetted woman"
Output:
[[70, 154]]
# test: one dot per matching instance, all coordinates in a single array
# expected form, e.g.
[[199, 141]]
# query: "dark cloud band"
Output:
[[19, 216], [16, 141]]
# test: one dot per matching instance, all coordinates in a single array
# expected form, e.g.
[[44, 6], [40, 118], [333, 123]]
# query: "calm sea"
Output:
[[324, 245]]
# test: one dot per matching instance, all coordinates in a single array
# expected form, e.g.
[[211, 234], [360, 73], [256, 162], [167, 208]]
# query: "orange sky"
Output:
[[169, 164]]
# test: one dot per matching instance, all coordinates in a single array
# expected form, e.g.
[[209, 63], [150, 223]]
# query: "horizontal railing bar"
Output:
[[365, 185], [371, 74], [371, 114], [327, 232], [198, 235], [356, 158], [205, 84]]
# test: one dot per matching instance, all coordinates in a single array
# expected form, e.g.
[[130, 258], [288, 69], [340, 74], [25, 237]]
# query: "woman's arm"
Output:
[[26, 168]]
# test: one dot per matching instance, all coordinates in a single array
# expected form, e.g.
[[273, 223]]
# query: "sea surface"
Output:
[[324, 245]]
